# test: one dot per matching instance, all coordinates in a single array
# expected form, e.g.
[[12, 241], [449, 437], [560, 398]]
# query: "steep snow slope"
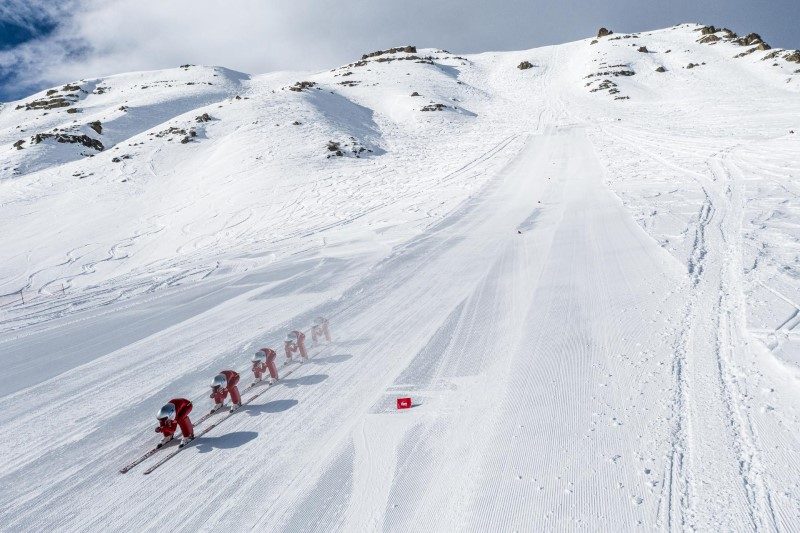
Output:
[[583, 272]]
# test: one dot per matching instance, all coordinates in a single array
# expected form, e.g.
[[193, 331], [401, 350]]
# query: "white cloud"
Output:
[[97, 38]]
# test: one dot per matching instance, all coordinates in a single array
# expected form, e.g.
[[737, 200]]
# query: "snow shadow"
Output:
[[313, 379], [277, 406], [529, 222], [339, 358], [224, 442], [350, 118]]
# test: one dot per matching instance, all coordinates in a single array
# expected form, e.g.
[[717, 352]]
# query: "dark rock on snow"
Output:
[[85, 140], [407, 49]]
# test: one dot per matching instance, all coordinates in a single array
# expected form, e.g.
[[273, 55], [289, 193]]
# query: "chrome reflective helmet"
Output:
[[219, 381], [167, 412], [259, 356]]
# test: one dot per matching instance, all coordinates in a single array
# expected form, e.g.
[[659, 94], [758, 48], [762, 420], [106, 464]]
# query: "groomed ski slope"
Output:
[[596, 329]]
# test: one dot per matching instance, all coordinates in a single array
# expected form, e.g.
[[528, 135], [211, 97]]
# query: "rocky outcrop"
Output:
[[707, 30], [604, 32], [54, 102], [302, 85], [19, 143], [205, 117], [407, 49], [606, 85], [751, 39], [350, 147], [661, 69], [335, 147], [174, 130], [709, 39], [643, 49], [793, 57], [709, 35], [525, 65], [85, 140], [97, 126], [615, 73], [434, 107]]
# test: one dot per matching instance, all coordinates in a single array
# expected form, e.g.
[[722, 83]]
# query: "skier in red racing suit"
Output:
[[320, 329], [173, 415], [295, 343], [223, 384], [263, 361]]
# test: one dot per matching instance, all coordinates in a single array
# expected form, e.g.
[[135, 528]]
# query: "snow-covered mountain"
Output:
[[580, 260]]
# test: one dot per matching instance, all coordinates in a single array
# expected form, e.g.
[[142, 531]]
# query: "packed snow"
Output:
[[580, 261]]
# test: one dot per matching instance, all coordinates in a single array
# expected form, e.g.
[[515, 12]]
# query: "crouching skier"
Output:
[[320, 330], [173, 415], [263, 361], [295, 343], [223, 384]]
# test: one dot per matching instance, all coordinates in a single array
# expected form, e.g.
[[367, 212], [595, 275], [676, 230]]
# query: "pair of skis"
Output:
[[127, 468]]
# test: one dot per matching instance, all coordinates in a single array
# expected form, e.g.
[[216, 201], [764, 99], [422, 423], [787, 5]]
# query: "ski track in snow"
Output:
[[592, 302]]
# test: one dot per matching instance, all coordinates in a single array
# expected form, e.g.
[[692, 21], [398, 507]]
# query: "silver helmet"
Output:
[[166, 413], [291, 336], [259, 357], [219, 381]]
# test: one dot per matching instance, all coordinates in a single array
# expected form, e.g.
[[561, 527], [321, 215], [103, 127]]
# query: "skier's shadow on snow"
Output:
[[276, 406], [224, 442], [339, 358], [313, 379]]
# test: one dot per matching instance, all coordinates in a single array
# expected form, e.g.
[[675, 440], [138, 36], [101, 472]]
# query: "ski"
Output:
[[224, 418], [125, 469]]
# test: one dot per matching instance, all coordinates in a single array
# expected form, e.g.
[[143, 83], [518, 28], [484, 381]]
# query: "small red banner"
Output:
[[403, 403]]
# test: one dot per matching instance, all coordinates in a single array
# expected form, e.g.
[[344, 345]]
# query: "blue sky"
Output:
[[46, 42]]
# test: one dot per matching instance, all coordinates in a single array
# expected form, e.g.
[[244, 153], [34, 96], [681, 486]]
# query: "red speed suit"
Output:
[[259, 369], [296, 346], [182, 409], [220, 393], [319, 331]]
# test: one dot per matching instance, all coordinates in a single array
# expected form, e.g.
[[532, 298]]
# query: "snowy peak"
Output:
[[82, 119]]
